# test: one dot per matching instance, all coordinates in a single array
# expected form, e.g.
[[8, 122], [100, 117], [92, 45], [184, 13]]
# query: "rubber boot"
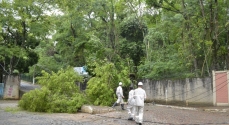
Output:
[[122, 106], [130, 118], [114, 104]]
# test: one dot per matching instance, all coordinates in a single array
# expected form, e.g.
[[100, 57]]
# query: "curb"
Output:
[[177, 107], [220, 109], [216, 110]]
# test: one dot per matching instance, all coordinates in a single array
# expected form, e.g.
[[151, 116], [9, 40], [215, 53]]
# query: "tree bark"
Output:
[[212, 35], [206, 32], [112, 27], [190, 39]]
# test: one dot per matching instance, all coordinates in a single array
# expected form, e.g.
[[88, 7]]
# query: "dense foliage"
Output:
[[23, 25], [101, 87], [59, 93], [189, 39]]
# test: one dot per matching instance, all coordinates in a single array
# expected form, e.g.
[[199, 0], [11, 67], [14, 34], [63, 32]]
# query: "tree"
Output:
[[58, 93], [23, 25], [133, 31], [195, 39], [101, 87]]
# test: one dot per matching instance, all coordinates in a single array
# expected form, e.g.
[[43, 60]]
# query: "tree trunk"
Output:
[[112, 27], [214, 32], [205, 37], [190, 39]]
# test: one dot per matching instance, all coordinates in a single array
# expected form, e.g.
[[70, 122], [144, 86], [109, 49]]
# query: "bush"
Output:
[[59, 93], [101, 88]]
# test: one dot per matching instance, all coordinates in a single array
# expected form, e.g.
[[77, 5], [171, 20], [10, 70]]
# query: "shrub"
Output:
[[101, 88], [59, 93]]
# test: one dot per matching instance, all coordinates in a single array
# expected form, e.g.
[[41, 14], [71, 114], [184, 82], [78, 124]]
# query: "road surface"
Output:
[[10, 114]]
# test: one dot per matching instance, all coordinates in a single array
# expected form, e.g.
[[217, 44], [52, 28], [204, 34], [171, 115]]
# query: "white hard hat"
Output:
[[140, 83], [120, 83]]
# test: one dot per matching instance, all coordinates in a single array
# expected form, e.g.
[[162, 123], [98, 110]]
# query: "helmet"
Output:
[[120, 83], [140, 83]]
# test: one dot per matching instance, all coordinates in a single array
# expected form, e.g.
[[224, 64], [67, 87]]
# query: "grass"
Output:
[[12, 109]]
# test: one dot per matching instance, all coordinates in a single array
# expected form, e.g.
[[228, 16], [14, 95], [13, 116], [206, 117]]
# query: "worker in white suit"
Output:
[[131, 104], [139, 96], [119, 93]]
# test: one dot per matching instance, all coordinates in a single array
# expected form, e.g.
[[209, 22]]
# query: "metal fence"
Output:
[[26, 78]]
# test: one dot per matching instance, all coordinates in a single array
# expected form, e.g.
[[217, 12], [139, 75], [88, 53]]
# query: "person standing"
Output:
[[120, 96], [131, 102], [139, 96]]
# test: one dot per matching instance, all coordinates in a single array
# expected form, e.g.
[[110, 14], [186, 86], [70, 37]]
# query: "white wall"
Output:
[[188, 91]]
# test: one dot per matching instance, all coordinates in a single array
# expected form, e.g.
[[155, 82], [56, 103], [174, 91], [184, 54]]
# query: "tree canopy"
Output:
[[157, 37]]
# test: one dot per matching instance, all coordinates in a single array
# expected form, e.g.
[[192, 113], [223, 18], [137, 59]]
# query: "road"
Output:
[[10, 114], [27, 86]]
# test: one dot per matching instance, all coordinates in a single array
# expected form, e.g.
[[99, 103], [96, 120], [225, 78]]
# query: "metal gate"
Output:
[[220, 88], [1, 90]]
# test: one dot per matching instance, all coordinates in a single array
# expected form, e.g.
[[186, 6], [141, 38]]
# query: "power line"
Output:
[[208, 91], [205, 91], [194, 89], [214, 91]]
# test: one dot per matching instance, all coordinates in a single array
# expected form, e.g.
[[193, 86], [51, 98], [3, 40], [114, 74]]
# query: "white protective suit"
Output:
[[119, 94], [140, 96], [131, 103]]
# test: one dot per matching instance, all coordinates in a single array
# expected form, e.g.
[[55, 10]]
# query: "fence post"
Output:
[[33, 80]]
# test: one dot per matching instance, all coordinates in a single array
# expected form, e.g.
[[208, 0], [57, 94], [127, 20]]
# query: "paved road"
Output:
[[27, 86], [153, 115]]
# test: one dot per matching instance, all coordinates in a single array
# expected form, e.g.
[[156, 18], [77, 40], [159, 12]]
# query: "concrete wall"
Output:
[[12, 86], [185, 92]]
